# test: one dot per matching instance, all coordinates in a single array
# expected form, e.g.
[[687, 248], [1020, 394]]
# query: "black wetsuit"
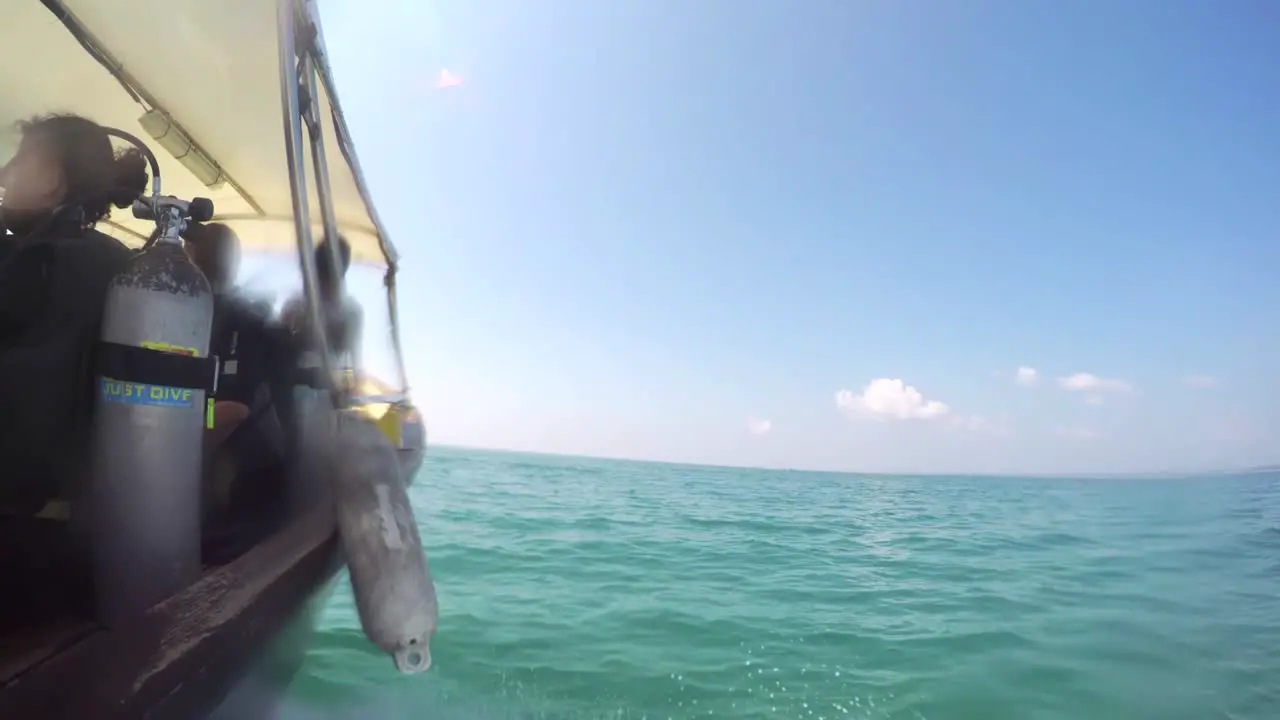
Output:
[[257, 363], [53, 286], [241, 340]]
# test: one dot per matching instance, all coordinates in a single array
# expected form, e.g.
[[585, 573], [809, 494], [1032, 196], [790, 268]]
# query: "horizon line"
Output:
[[1150, 475]]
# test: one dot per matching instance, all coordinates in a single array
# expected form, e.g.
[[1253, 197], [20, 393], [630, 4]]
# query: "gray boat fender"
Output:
[[393, 591]]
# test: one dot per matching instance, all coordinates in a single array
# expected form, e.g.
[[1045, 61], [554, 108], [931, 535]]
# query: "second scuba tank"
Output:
[[389, 577], [412, 447], [145, 489]]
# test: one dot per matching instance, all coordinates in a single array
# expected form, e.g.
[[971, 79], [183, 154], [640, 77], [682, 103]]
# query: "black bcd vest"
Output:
[[52, 292]]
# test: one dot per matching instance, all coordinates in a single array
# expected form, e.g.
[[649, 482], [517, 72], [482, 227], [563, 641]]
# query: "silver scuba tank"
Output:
[[145, 486], [394, 594]]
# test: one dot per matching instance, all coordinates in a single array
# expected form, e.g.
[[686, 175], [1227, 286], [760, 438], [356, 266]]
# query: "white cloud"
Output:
[[1088, 382], [1200, 381], [890, 399], [979, 424], [1077, 433], [1026, 376], [759, 426]]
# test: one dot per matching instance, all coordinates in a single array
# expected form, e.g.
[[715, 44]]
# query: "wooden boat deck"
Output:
[[27, 647], [179, 659], [43, 605]]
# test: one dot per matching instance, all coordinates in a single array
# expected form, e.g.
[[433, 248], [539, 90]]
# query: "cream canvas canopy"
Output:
[[206, 76], [211, 86]]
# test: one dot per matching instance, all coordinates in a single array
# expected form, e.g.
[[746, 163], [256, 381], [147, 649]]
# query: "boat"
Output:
[[236, 101]]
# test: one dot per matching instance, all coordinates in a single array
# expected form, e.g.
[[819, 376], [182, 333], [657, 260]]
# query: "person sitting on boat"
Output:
[[240, 324], [62, 181], [340, 313], [243, 475]]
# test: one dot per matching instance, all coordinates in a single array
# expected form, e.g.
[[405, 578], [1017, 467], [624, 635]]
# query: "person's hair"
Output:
[[96, 176], [324, 263], [214, 232], [217, 250]]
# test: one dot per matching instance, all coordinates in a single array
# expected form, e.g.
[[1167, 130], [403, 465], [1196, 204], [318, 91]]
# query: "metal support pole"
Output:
[[324, 193], [315, 131], [393, 314], [286, 19]]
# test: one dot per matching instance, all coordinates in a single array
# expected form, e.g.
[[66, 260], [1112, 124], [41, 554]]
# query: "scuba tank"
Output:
[[394, 594], [413, 439], [153, 374]]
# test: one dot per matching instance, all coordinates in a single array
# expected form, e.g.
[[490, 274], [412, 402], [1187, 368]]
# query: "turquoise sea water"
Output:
[[576, 588]]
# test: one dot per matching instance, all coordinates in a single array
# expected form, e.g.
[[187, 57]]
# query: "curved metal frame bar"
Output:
[[303, 69], [293, 120], [311, 117], [321, 66]]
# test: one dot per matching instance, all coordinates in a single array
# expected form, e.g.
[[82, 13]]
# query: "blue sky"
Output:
[[640, 228]]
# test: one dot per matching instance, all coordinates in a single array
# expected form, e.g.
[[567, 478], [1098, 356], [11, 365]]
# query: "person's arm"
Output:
[[292, 312]]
